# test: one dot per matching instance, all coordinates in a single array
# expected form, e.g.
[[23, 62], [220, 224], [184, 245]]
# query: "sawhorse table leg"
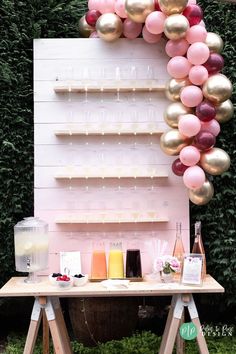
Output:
[[60, 338], [173, 322]]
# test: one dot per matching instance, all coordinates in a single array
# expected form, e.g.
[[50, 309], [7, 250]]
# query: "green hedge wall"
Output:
[[20, 22]]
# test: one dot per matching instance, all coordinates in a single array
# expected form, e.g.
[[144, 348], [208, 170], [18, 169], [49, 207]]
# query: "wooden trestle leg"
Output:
[[56, 323], [174, 320]]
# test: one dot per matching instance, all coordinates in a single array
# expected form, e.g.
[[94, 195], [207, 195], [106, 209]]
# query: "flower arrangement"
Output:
[[166, 264]]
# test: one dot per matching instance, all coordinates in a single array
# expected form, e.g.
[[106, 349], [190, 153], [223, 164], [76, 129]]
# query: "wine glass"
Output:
[[85, 82], [118, 83]]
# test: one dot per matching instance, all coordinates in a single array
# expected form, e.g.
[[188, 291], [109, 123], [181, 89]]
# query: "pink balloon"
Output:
[[178, 67], [131, 29], [202, 23], [94, 4], [189, 156], [194, 177], [198, 53], [196, 33], [94, 35], [189, 125], [176, 48], [191, 96], [192, 2], [155, 22], [149, 37], [120, 8], [198, 74], [106, 6], [212, 126]]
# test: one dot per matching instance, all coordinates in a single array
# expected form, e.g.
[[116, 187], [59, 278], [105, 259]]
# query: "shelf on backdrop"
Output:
[[110, 175], [90, 131], [113, 218], [110, 87]]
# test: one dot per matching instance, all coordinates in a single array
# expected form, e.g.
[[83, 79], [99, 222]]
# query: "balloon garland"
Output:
[[199, 93]]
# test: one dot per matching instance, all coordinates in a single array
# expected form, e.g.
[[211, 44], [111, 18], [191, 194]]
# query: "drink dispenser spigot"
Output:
[[31, 247]]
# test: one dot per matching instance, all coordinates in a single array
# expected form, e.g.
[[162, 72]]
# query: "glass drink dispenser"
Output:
[[31, 247]]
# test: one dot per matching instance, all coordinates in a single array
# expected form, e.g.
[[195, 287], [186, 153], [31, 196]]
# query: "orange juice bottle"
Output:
[[99, 264]]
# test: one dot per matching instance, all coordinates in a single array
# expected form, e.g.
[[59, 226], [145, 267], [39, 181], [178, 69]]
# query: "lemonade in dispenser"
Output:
[[31, 246]]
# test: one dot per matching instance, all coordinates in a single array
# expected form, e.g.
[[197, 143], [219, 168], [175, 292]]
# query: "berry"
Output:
[[55, 275]]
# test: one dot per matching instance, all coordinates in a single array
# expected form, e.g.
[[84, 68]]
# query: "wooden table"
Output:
[[47, 303]]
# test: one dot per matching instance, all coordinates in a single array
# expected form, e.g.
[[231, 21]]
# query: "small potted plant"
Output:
[[167, 266]]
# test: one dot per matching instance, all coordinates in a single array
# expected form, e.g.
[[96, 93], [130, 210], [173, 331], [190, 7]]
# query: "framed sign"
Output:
[[192, 269]]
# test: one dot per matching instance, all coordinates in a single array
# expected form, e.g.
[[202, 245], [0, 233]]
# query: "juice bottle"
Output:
[[116, 262], [99, 264]]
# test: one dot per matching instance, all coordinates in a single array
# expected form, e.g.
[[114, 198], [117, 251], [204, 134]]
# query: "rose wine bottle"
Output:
[[198, 245], [179, 251]]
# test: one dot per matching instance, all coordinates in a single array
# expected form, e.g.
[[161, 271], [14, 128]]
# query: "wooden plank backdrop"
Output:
[[94, 62]]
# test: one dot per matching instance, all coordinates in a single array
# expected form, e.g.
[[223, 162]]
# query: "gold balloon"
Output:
[[214, 42], [170, 7], [202, 195], [176, 26], [84, 28], [173, 111], [138, 10], [172, 142], [173, 88], [109, 27], [217, 88], [224, 111], [215, 161]]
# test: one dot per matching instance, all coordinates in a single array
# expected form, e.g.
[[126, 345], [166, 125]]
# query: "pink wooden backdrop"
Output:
[[69, 61]]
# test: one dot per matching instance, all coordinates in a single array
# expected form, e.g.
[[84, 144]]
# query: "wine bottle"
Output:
[[198, 246], [179, 251]]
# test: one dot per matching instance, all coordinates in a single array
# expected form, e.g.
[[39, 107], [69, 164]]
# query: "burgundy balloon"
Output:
[[157, 7], [205, 111], [214, 64], [178, 167], [194, 14], [204, 140], [92, 16]]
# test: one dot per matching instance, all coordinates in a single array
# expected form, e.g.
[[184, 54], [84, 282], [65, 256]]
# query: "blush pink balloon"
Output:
[[192, 2], [93, 4], [131, 29], [212, 126], [194, 177], [196, 34], [106, 6], [149, 37], [120, 8], [198, 53], [189, 125], [189, 156], [155, 22], [94, 35], [198, 74], [191, 96], [178, 67], [176, 48], [202, 23]]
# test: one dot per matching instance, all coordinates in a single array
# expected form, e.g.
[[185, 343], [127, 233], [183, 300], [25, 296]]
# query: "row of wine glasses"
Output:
[[103, 73]]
